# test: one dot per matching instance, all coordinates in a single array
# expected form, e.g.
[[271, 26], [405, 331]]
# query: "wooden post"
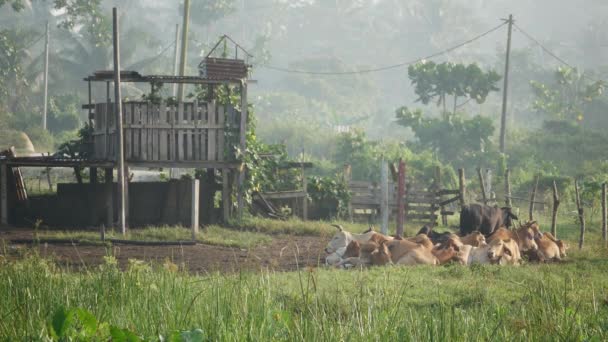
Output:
[[243, 147], [226, 195], [107, 123], [508, 202], [484, 197], [505, 88], [122, 217], [109, 190], [305, 199], [176, 58], [347, 178], [604, 215], [90, 104], [401, 198], [93, 175], [581, 215], [461, 187], [46, 77], [3, 194], [384, 196], [554, 214], [91, 196], [488, 184], [194, 206], [533, 198], [184, 50]]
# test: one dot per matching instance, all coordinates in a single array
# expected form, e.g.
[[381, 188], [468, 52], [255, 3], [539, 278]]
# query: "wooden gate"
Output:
[[424, 204]]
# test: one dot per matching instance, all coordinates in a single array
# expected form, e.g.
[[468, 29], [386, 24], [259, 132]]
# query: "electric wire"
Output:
[[383, 68], [551, 53]]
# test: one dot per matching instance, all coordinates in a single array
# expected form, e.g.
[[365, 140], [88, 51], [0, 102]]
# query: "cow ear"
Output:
[[508, 252], [513, 216]]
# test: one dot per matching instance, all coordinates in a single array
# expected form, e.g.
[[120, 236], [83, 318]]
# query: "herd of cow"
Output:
[[485, 237]]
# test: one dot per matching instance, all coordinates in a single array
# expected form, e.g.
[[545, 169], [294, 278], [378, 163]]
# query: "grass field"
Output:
[[567, 301]]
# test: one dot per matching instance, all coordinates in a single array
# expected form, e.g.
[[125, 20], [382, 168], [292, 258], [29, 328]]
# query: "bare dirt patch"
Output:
[[284, 253]]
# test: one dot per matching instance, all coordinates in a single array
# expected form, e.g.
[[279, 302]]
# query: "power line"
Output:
[[551, 53], [384, 68], [35, 41]]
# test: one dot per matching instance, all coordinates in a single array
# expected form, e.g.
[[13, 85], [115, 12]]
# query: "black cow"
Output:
[[433, 235], [484, 219]]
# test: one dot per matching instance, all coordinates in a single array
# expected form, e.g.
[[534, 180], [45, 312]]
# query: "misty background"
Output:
[[310, 114]]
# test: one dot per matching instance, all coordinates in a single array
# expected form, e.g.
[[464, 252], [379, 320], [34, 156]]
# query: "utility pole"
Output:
[[46, 76], [182, 64], [122, 216], [503, 118], [176, 58]]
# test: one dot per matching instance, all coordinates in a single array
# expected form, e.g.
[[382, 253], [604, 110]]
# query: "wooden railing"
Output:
[[191, 131]]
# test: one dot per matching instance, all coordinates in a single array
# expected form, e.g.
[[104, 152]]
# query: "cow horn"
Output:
[[340, 228]]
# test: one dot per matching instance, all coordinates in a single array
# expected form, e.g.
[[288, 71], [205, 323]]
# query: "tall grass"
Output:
[[545, 302]]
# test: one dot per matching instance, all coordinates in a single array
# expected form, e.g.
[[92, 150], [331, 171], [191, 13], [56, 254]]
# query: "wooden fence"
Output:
[[191, 131], [421, 204]]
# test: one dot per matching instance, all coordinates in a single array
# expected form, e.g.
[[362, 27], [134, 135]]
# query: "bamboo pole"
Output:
[[555, 206]]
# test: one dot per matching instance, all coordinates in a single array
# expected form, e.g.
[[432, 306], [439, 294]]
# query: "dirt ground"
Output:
[[284, 253]]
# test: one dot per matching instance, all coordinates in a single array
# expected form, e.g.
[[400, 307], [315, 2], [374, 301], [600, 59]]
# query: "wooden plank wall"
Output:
[[191, 131]]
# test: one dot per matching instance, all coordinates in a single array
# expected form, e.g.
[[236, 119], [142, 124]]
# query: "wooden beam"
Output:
[[194, 208], [284, 195], [186, 164]]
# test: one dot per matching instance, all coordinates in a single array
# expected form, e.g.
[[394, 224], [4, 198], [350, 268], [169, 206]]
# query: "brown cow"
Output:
[[550, 248], [418, 252], [501, 252], [364, 254], [524, 237], [475, 239]]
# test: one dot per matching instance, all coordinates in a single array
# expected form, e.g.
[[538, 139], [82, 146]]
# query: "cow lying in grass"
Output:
[[337, 246], [504, 247]]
